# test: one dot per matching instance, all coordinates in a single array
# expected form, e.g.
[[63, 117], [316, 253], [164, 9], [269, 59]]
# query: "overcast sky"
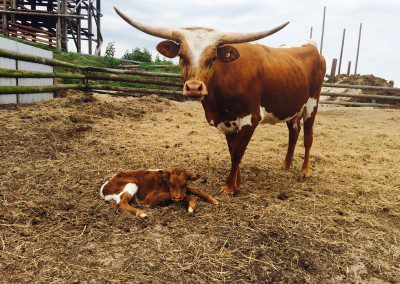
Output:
[[380, 44]]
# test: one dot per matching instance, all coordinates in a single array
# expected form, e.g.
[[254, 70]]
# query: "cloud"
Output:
[[381, 25]]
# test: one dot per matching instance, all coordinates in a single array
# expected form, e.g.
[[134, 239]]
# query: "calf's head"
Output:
[[198, 50], [177, 182]]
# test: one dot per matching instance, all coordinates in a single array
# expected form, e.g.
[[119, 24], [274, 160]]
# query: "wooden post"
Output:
[[90, 28], [341, 51], [4, 18], [311, 31], [323, 31], [333, 71], [13, 6], [349, 69], [78, 28], [99, 37], [358, 49], [58, 26], [64, 26]]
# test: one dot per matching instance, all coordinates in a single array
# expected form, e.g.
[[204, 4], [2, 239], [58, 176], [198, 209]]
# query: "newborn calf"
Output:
[[153, 188]]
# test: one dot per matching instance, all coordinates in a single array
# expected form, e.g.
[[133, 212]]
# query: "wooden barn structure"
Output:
[[54, 22]]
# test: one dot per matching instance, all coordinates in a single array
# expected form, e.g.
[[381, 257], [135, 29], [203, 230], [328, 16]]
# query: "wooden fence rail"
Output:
[[112, 75]]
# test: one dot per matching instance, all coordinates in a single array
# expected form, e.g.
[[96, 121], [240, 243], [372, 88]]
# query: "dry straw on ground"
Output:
[[340, 226]]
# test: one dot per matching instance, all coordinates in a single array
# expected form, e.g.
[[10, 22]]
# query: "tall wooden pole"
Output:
[[90, 28], [333, 71], [64, 26], [311, 31], [358, 49], [341, 51], [323, 31], [99, 37], [78, 28], [58, 26], [4, 18], [349, 69]]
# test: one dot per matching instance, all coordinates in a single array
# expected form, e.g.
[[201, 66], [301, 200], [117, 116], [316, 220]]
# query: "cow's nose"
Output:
[[195, 89]]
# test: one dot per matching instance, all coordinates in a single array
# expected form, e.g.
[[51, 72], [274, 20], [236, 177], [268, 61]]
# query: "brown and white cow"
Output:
[[152, 188], [241, 85]]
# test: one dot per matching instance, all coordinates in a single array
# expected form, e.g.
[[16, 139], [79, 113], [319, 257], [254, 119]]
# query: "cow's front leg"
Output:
[[237, 144]]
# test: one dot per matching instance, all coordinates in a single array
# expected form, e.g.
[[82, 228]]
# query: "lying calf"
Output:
[[153, 188]]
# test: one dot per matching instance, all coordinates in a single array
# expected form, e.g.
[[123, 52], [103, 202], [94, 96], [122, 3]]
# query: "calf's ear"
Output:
[[227, 53], [168, 48], [166, 174], [193, 176]]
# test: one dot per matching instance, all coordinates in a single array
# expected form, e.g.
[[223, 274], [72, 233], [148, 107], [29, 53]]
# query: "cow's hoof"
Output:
[[190, 210], [304, 174], [228, 191], [285, 166]]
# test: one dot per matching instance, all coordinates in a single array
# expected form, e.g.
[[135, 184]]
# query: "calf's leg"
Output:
[[124, 205], [202, 195], [191, 202]]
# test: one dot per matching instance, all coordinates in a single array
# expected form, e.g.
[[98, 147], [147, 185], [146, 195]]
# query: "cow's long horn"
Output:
[[247, 37], [161, 32]]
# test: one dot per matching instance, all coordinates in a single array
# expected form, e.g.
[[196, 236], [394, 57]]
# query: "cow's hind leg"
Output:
[[294, 130], [124, 205], [308, 140]]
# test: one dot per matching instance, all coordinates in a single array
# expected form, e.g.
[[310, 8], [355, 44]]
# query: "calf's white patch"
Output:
[[129, 188]]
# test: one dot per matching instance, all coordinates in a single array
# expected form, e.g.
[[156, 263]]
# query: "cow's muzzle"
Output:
[[195, 90]]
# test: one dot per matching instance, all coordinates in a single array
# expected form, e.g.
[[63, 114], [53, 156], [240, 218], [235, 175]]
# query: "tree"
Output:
[[110, 50]]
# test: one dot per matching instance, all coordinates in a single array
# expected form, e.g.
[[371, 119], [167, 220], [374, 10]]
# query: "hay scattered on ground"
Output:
[[341, 226]]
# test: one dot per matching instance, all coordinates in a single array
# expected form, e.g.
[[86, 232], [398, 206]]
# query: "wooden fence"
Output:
[[89, 78]]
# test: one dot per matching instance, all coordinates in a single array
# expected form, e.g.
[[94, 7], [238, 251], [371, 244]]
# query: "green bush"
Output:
[[138, 55]]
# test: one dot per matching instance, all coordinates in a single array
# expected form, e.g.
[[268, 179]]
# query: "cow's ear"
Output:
[[227, 53], [168, 48]]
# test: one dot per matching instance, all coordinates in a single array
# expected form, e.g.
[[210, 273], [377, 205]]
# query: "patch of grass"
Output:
[[104, 62]]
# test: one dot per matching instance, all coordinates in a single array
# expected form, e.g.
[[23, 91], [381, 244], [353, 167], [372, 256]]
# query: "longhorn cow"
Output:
[[241, 85]]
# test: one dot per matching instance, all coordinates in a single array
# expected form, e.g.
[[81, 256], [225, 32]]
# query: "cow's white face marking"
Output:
[[197, 41], [129, 188], [299, 44]]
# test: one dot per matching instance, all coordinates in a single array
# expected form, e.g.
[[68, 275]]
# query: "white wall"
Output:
[[27, 66]]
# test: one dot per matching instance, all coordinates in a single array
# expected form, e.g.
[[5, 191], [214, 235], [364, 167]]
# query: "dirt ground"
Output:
[[340, 226]]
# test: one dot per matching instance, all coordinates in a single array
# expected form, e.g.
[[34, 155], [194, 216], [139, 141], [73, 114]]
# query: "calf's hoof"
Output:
[[190, 210], [228, 191], [141, 214], [214, 201]]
